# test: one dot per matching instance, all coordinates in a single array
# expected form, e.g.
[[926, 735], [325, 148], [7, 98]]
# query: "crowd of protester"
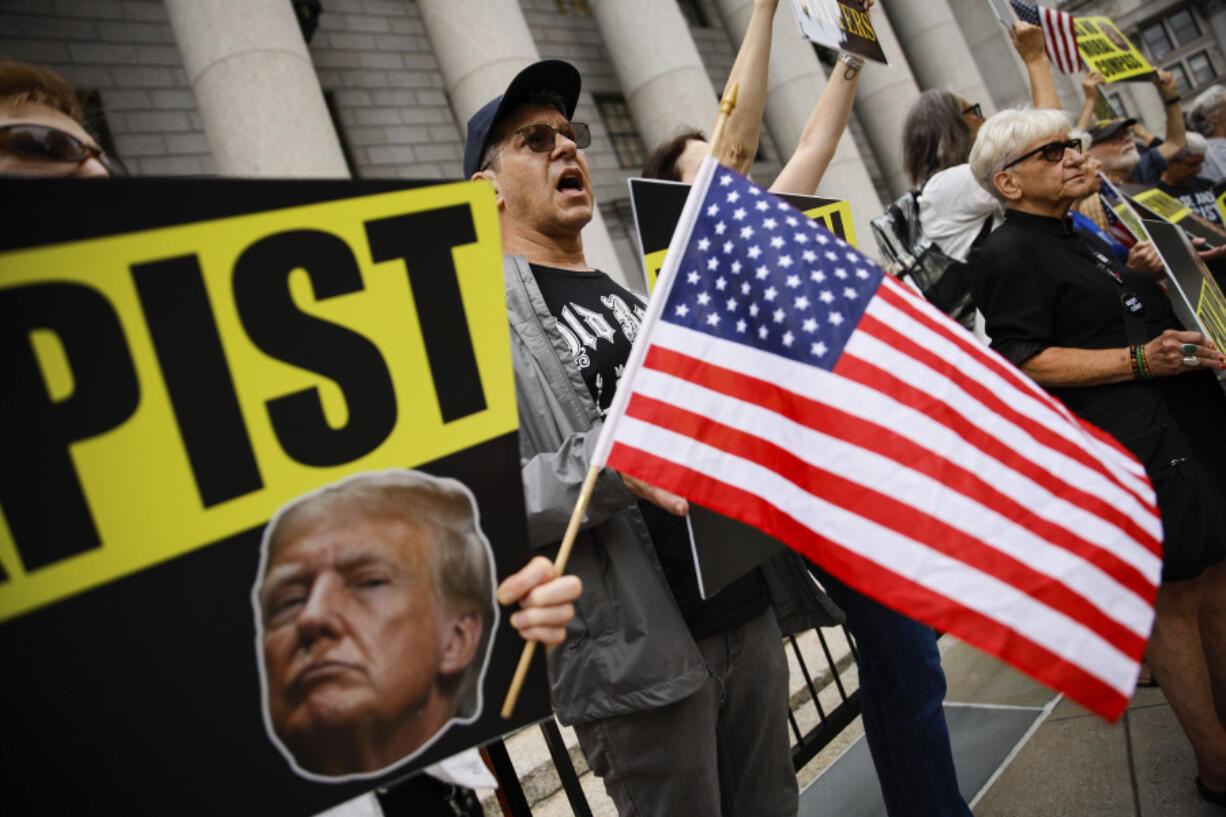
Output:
[[679, 702]]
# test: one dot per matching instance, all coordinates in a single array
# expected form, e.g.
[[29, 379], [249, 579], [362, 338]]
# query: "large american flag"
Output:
[[783, 379], [1058, 36]]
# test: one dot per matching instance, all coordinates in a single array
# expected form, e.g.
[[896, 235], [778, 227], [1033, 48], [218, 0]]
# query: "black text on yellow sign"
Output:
[[1163, 204], [166, 389], [1210, 306], [849, 18], [1106, 50], [836, 217]]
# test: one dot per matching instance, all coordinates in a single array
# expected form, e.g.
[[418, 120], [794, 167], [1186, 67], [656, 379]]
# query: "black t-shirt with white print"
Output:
[[599, 320]]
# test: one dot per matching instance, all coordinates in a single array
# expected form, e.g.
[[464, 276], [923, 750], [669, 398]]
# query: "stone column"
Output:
[[996, 59], [481, 45], [661, 73], [794, 84], [885, 94], [936, 50], [256, 88]]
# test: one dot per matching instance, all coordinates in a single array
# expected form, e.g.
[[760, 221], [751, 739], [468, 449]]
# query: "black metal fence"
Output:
[[805, 746]]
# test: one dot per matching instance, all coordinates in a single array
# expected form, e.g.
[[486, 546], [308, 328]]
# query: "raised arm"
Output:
[[740, 141], [1028, 40], [820, 137], [1090, 86], [1175, 136]]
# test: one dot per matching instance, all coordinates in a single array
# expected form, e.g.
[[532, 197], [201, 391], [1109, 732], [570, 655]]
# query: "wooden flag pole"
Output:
[[559, 565], [726, 106]]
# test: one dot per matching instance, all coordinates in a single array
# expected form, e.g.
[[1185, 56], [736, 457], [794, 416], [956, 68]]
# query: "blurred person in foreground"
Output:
[[1102, 338], [42, 131]]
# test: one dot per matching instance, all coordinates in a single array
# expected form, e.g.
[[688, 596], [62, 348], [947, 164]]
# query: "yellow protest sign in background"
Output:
[[351, 285], [1163, 204], [1106, 50]]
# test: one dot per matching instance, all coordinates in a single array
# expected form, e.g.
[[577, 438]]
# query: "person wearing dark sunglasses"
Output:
[[1103, 339], [645, 667], [41, 130]]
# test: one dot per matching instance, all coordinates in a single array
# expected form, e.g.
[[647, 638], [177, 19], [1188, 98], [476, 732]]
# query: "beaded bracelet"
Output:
[[1134, 362], [1144, 363]]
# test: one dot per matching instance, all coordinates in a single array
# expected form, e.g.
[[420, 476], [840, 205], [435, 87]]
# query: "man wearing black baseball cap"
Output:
[[679, 702]]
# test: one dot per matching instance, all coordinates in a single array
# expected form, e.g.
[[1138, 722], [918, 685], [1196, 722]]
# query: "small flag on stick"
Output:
[[783, 379], [1058, 35]]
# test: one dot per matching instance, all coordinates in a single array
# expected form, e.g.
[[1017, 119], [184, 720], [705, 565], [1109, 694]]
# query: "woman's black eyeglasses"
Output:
[[541, 137], [1052, 152], [976, 109], [46, 144]]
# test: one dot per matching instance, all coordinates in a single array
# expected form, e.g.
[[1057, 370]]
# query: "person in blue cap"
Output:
[[679, 702]]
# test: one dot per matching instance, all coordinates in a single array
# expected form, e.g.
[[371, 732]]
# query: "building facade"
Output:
[[382, 88]]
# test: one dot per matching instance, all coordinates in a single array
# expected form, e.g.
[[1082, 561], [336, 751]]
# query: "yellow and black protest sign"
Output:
[[192, 379], [1195, 296], [179, 359], [1221, 204], [1154, 203], [842, 24], [1108, 51], [1163, 204], [658, 204]]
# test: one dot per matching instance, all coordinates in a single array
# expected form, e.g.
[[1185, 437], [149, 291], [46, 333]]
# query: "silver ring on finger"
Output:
[[1191, 361]]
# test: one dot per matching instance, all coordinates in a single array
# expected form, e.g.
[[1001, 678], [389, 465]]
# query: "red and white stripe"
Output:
[[1060, 39], [924, 470]]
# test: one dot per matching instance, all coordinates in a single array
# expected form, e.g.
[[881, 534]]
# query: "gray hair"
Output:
[[1003, 137], [461, 562], [1205, 110], [1197, 145]]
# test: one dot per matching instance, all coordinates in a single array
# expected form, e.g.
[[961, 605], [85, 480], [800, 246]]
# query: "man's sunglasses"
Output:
[[1052, 152], [976, 109], [541, 137], [41, 143]]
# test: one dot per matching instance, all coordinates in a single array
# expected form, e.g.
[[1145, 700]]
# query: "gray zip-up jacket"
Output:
[[627, 648]]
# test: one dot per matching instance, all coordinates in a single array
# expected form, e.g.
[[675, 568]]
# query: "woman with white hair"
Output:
[[1207, 116], [1102, 338]]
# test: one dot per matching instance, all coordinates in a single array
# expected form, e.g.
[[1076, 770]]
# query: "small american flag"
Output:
[[1058, 34], [783, 379]]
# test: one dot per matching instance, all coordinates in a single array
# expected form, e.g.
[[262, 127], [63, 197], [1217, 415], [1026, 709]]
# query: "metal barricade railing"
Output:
[[806, 744]]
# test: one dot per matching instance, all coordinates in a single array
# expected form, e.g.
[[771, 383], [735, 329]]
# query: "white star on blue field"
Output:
[[759, 272]]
